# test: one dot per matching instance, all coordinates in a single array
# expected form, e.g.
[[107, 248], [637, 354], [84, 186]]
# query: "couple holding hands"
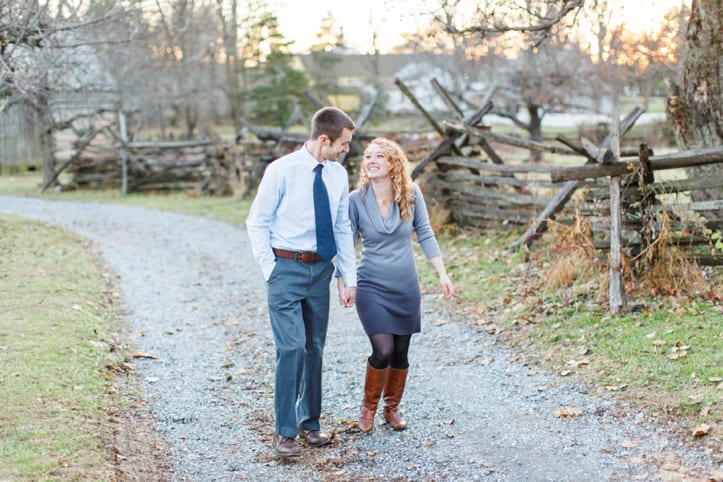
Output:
[[303, 216]]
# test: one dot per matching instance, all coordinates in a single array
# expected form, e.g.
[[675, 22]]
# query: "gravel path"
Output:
[[194, 297]]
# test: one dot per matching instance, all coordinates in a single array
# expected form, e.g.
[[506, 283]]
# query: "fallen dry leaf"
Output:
[[577, 363], [145, 355], [701, 430], [470, 359], [615, 388], [568, 412]]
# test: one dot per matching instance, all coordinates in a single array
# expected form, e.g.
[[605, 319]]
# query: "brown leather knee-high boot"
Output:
[[373, 386], [393, 391]]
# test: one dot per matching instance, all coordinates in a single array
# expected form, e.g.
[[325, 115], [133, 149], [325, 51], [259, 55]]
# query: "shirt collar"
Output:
[[311, 160]]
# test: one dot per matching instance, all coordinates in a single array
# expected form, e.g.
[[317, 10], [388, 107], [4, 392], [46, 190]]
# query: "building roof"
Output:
[[361, 65]]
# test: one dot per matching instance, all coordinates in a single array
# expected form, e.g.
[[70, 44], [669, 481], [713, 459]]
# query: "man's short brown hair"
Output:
[[330, 121]]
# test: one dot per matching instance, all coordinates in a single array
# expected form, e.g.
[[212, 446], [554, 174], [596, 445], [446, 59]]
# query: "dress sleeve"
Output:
[[425, 235]]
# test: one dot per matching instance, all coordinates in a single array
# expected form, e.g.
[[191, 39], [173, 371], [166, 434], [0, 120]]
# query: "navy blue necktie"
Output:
[[325, 244]]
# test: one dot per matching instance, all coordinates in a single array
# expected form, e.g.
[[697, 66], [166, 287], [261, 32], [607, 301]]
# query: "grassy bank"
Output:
[[56, 319], [663, 354]]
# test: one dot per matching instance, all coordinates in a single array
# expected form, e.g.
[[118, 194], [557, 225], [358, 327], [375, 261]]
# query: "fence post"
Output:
[[617, 288]]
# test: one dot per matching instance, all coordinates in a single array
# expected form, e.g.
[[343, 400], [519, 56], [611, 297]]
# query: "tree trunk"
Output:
[[535, 130], [695, 108], [46, 138], [232, 63]]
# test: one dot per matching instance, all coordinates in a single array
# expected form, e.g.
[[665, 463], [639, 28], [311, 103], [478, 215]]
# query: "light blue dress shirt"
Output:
[[282, 214]]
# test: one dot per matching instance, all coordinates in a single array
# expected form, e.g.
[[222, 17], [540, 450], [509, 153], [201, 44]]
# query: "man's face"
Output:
[[333, 150]]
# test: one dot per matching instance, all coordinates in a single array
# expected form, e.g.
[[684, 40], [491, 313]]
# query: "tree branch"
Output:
[[547, 21]]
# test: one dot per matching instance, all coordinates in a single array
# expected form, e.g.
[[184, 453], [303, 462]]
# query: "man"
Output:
[[283, 229]]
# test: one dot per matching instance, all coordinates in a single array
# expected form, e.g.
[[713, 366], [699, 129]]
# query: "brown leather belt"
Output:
[[300, 256]]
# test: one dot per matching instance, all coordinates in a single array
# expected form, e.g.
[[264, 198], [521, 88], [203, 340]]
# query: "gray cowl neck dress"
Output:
[[388, 296]]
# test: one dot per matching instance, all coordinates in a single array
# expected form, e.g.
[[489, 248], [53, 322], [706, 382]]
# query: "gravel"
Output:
[[193, 297]]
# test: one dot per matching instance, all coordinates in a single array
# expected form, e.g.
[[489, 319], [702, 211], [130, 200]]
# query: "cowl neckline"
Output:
[[381, 225]]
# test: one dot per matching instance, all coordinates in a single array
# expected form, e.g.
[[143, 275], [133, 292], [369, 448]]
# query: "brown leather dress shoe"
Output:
[[314, 438], [285, 446]]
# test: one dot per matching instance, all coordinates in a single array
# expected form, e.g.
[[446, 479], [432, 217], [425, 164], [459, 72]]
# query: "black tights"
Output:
[[389, 350]]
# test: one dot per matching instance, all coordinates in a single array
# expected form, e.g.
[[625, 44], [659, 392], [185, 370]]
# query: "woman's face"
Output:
[[375, 162]]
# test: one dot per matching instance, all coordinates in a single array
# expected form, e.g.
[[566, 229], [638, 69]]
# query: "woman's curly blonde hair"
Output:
[[399, 172]]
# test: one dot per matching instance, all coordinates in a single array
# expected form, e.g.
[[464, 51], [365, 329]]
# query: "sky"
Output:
[[300, 19]]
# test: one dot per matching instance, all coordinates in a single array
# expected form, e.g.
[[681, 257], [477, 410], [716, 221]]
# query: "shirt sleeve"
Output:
[[260, 217], [346, 254]]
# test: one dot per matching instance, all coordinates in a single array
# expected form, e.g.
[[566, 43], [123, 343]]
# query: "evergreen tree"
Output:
[[277, 85]]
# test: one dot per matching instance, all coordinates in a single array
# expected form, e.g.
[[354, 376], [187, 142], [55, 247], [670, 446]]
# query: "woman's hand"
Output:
[[346, 295], [447, 288]]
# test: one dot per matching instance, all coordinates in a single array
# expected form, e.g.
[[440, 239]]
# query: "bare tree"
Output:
[[527, 50], [228, 15], [465, 57], [187, 51], [629, 59], [543, 80], [656, 54], [695, 108], [47, 50]]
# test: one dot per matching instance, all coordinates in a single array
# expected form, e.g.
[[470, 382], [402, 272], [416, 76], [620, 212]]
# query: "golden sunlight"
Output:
[[385, 22]]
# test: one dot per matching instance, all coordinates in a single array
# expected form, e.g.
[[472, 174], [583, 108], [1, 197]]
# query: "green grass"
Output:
[[55, 327], [674, 353]]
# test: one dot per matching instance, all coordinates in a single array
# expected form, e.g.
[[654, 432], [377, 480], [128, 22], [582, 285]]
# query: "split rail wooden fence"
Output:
[[467, 175]]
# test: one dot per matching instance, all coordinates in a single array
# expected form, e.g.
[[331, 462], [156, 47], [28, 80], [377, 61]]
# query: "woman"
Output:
[[385, 210]]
